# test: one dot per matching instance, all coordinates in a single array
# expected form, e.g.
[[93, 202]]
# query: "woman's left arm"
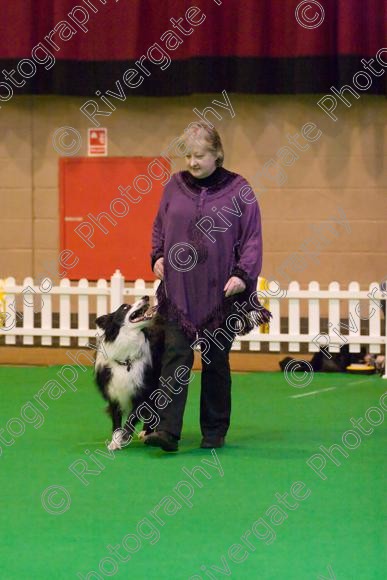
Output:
[[249, 263]]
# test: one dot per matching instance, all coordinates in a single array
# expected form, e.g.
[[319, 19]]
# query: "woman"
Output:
[[207, 251]]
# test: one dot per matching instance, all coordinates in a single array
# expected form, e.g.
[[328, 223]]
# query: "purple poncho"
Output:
[[225, 244]]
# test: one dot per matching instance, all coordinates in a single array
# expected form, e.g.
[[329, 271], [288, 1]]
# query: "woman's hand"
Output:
[[234, 286], [158, 268]]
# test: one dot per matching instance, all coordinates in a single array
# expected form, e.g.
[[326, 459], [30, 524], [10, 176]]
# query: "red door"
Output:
[[107, 208]]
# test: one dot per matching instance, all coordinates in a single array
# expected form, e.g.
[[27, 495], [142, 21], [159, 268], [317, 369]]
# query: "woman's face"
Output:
[[200, 161]]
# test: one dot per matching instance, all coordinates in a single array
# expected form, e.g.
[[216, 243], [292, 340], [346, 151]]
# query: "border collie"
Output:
[[128, 364]]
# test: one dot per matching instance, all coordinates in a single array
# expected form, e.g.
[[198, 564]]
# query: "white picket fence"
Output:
[[22, 302]]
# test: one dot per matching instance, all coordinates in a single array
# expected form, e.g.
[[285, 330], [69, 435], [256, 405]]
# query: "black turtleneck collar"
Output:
[[210, 180], [218, 179]]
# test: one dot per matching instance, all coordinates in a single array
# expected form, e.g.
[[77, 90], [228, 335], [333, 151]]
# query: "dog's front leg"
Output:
[[116, 415]]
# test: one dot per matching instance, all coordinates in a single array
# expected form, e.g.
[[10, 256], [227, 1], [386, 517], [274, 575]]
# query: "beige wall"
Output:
[[343, 168]]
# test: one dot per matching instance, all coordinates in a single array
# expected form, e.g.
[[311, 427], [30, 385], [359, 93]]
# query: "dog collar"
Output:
[[126, 363]]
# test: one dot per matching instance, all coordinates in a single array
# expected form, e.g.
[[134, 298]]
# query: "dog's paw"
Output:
[[114, 446], [141, 435], [116, 441]]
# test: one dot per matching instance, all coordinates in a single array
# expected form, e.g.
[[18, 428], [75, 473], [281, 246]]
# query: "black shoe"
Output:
[[212, 442], [162, 439]]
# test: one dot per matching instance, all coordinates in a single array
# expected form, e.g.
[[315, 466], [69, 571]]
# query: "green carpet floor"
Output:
[[335, 531]]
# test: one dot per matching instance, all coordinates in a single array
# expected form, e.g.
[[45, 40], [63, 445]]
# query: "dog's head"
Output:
[[135, 317]]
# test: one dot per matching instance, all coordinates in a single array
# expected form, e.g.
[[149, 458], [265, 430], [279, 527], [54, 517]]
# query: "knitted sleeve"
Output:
[[249, 262], [158, 230]]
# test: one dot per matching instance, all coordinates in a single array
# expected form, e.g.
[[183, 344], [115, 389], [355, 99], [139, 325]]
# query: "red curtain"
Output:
[[240, 45]]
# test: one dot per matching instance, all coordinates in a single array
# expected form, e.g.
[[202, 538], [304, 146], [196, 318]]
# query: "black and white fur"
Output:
[[128, 363]]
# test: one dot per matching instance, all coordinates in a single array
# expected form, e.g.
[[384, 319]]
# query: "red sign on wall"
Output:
[[97, 143]]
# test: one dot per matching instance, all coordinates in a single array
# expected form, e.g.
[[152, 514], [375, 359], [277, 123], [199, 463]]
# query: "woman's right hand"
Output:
[[158, 268]]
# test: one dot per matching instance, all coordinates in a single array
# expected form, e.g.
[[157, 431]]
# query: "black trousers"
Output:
[[215, 397]]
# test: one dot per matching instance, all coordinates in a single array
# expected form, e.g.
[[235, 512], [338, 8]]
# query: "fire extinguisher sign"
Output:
[[97, 143]]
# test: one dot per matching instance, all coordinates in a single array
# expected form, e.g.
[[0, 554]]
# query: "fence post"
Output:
[[64, 312], [294, 317], [354, 318], [46, 321], [275, 322], [140, 289], [374, 319], [334, 319], [313, 317], [10, 309], [117, 282], [83, 311], [27, 294], [385, 336], [102, 299]]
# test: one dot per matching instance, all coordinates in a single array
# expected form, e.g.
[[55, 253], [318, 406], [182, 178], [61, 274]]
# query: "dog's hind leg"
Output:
[[129, 425], [133, 419]]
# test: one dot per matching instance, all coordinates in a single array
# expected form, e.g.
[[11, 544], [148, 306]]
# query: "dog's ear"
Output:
[[101, 321]]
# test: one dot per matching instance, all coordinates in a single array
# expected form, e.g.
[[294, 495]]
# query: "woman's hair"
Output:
[[200, 131]]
